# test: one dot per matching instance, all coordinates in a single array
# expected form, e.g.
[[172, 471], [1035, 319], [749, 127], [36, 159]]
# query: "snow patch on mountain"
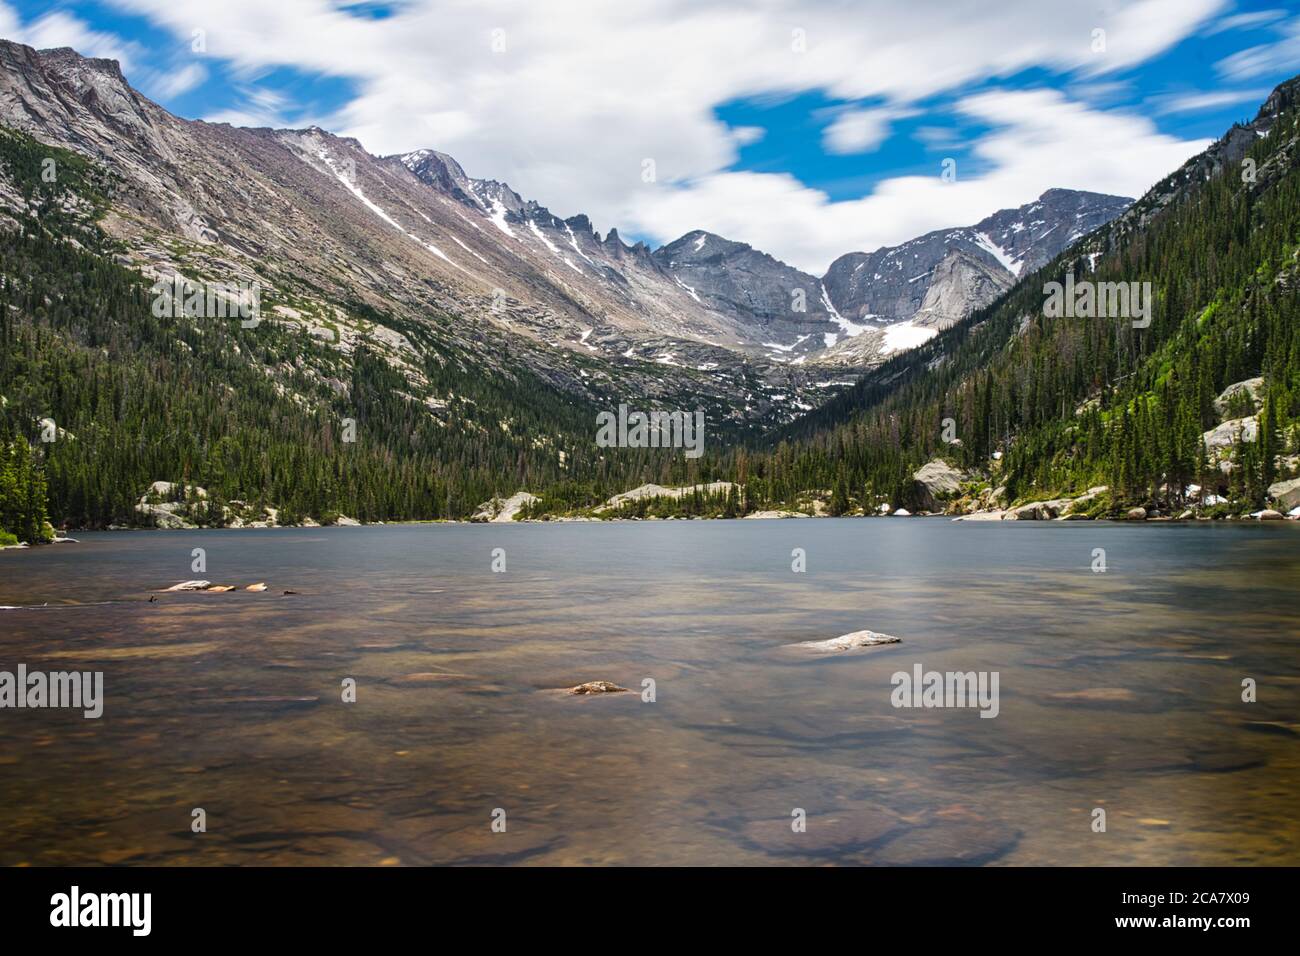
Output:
[[553, 247], [323, 155], [904, 335], [1008, 263], [498, 218]]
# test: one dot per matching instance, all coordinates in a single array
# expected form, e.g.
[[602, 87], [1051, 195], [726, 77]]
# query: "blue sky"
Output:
[[835, 146]]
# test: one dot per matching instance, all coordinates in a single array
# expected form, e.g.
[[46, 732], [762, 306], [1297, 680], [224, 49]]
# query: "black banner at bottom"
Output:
[[302, 905]]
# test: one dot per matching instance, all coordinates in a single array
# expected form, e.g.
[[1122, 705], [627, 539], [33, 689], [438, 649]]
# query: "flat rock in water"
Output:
[[598, 687], [260, 586], [831, 834], [190, 586], [848, 642]]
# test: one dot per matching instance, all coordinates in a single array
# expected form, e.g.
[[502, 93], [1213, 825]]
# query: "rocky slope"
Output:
[[935, 280], [346, 244]]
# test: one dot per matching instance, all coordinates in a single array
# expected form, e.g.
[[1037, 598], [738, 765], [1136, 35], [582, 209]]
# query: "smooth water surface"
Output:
[[1119, 690]]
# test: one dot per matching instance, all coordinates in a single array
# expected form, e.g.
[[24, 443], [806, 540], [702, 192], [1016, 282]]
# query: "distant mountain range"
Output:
[[321, 223], [469, 337]]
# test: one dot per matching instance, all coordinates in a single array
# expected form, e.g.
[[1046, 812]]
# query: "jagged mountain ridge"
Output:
[[323, 223], [788, 313], [937, 279]]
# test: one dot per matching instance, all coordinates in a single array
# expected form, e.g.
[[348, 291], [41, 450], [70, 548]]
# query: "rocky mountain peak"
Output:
[[443, 173], [893, 283], [68, 61]]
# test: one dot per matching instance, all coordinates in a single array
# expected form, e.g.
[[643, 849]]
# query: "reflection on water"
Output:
[[231, 702]]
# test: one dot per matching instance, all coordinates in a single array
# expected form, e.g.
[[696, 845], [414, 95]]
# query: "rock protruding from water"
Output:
[[598, 687], [848, 642]]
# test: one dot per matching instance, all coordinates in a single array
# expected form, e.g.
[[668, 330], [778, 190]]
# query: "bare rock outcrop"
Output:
[[503, 509]]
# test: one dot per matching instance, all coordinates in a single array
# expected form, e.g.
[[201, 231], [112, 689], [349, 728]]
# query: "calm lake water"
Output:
[[232, 702]]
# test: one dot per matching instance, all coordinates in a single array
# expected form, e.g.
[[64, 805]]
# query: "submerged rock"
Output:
[[848, 642], [950, 843], [832, 834], [425, 678], [1096, 695]]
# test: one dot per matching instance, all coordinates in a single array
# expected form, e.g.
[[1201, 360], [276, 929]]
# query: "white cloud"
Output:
[[262, 107], [10, 26], [165, 85], [861, 131], [1042, 140], [1198, 102], [1245, 21], [581, 93], [1280, 56]]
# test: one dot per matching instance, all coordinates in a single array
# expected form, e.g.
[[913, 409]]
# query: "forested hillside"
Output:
[[256, 416], [1027, 407], [1050, 406]]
